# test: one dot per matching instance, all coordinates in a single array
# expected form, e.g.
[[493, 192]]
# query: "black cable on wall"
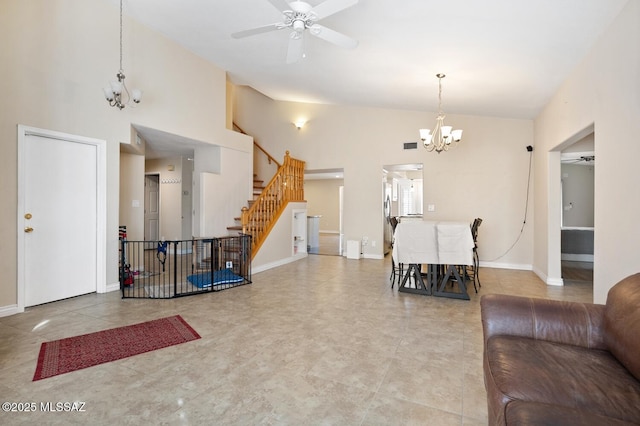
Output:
[[526, 209]]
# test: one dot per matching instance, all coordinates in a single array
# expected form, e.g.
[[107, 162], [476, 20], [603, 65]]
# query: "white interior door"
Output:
[[152, 208], [60, 218]]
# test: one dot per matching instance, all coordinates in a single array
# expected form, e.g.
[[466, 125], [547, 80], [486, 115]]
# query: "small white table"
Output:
[[443, 246]]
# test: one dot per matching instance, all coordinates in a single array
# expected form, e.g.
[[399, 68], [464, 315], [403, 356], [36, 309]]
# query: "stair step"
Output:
[[264, 218], [239, 227]]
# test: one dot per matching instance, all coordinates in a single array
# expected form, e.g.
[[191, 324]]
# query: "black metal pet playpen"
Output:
[[167, 269]]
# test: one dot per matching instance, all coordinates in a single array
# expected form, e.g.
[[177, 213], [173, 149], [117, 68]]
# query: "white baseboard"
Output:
[[267, 266], [498, 265], [112, 287], [548, 280], [577, 257], [555, 281], [6, 311], [373, 256], [524, 267]]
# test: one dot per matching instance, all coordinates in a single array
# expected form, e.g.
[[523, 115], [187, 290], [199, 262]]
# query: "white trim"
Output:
[[113, 287], [101, 203], [555, 281], [577, 228], [572, 156], [281, 262], [5, 311], [372, 256], [577, 257], [546, 279], [498, 265]]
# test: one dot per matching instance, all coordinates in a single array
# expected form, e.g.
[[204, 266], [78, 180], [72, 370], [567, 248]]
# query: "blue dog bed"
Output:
[[224, 276]]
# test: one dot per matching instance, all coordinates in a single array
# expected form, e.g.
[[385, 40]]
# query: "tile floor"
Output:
[[322, 341]]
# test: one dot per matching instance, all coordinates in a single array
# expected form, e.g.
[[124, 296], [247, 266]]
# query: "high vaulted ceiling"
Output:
[[502, 58]]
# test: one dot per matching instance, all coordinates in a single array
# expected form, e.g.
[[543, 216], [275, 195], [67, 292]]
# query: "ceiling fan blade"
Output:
[[334, 37], [258, 30], [280, 5], [295, 52], [329, 7]]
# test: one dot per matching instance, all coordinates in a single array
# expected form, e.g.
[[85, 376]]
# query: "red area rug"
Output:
[[75, 353]]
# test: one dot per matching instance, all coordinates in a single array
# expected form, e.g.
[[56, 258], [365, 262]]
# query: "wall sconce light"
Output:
[[299, 124]]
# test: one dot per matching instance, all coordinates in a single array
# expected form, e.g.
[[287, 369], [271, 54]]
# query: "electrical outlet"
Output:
[[229, 264], [365, 241], [431, 207]]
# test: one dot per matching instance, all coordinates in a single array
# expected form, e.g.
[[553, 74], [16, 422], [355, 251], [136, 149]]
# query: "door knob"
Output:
[[28, 216], [28, 229]]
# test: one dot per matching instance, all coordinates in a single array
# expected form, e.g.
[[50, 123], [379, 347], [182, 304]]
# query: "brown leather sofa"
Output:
[[549, 362]]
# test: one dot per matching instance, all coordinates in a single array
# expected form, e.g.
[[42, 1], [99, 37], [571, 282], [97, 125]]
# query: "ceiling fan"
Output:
[[299, 16]]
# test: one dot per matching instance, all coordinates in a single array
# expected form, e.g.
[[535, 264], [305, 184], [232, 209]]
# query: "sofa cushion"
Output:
[[622, 323], [534, 413], [590, 380]]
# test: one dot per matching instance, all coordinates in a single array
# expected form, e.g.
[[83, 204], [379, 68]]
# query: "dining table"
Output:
[[444, 247]]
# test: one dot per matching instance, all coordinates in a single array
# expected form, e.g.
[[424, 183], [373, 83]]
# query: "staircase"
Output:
[[262, 213], [258, 187]]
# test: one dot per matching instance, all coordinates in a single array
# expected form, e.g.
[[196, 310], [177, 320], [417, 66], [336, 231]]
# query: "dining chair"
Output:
[[396, 270], [476, 260]]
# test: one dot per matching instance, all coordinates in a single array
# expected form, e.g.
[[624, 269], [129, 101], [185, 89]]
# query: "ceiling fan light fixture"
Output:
[[301, 16], [298, 26]]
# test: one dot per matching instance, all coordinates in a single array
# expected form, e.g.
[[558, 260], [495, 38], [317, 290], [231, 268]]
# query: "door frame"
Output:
[[101, 203]]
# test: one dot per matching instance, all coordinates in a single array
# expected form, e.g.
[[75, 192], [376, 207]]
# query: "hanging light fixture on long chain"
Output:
[[442, 137], [113, 93]]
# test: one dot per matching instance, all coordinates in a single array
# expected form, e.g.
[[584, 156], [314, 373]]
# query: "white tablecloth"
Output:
[[431, 242]]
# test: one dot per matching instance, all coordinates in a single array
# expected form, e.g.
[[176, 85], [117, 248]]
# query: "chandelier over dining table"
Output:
[[442, 137]]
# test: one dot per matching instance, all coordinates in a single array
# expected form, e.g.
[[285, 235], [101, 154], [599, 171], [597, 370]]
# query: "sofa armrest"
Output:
[[574, 323]]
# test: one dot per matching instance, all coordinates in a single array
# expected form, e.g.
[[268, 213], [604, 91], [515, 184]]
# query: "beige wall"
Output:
[[486, 176], [577, 195], [603, 91], [222, 194], [278, 247], [323, 198], [132, 189], [55, 57]]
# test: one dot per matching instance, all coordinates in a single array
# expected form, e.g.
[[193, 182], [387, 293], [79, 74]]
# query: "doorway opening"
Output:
[[323, 190], [402, 194], [577, 170]]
